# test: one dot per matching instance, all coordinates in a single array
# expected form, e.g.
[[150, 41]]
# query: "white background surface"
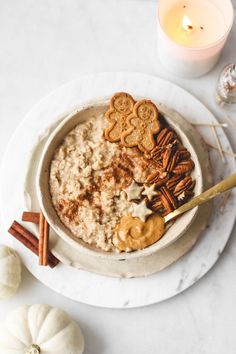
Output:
[[46, 43]]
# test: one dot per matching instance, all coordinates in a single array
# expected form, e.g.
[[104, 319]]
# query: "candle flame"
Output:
[[187, 24]]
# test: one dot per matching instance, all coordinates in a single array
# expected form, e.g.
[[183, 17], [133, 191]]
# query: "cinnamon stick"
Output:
[[43, 240], [22, 239], [25, 233], [30, 241], [30, 216], [46, 242], [41, 237]]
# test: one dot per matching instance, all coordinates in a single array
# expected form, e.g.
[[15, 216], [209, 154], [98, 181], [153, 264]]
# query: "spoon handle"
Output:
[[223, 186]]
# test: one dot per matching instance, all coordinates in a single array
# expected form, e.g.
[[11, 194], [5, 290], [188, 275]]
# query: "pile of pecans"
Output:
[[172, 173]]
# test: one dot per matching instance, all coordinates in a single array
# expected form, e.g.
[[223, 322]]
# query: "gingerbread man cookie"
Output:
[[142, 124], [121, 106]]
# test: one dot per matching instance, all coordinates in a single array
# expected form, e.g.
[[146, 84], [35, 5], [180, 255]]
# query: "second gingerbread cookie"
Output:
[[142, 124]]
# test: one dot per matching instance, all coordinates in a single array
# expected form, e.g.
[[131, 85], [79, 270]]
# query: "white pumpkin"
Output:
[[10, 272], [40, 329]]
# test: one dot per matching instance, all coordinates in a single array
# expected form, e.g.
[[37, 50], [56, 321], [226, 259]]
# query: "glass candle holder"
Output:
[[226, 86]]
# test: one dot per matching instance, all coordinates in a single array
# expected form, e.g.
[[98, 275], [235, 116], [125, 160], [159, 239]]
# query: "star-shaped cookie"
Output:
[[140, 210], [149, 191], [133, 191]]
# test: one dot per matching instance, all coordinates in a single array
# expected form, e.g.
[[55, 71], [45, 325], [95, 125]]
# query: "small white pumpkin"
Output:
[[10, 272], [40, 329]]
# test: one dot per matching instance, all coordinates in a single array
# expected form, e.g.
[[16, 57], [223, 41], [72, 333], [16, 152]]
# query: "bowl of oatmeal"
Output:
[[86, 183]]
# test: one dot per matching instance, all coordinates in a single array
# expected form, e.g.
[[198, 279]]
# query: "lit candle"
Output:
[[192, 33]]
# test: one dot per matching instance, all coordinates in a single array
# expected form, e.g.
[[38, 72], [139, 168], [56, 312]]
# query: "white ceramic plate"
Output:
[[91, 288]]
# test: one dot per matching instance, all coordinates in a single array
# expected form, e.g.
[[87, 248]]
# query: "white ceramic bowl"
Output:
[[94, 255]]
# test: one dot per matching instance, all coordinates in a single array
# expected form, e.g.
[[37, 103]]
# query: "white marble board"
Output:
[[91, 288]]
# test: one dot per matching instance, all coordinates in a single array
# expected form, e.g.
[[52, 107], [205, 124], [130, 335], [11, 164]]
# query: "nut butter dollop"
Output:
[[133, 234]]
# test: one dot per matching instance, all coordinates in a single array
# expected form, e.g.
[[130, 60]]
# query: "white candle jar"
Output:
[[192, 34]]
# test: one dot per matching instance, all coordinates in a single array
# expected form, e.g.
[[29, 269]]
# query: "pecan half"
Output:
[[170, 159], [168, 200], [187, 184], [157, 153], [156, 165], [158, 177], [151, 164], [165, 137], [184, 167], [173, 181], [156, 204], [184, 154]]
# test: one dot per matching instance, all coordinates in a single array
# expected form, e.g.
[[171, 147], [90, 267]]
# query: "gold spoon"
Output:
[[223, 186]]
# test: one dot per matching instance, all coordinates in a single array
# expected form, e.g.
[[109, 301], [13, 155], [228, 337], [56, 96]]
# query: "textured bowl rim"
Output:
[[80, 245]]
